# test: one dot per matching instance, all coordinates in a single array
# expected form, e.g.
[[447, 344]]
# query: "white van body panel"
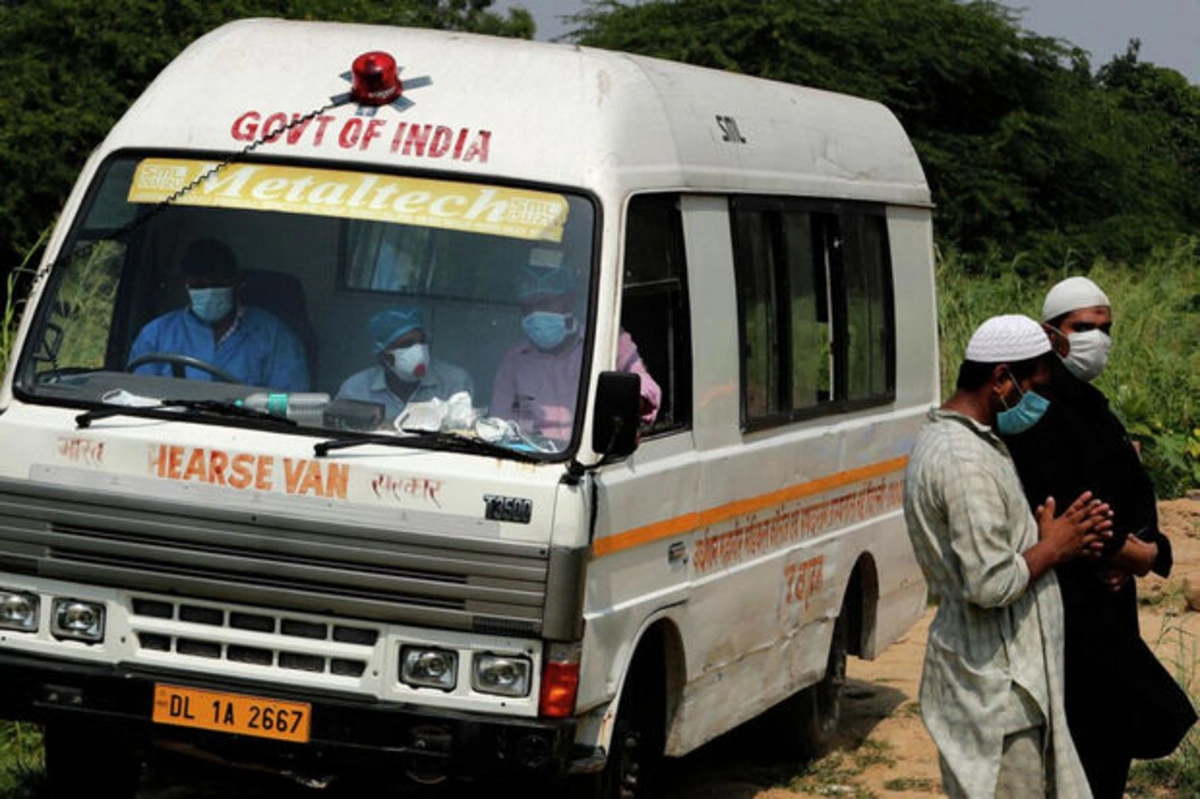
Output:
[[633, 121], [911, 233]]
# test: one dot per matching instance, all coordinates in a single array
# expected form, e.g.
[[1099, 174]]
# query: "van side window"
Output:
[[814, 308], [758, 306], [654, 305], [805, 242], [868, 307]]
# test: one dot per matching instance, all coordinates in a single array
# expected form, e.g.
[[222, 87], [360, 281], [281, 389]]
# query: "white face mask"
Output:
[[1089, 354], [409, 363]]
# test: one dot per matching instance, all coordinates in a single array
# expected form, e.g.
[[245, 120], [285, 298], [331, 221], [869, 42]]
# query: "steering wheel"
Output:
[[178, 362]]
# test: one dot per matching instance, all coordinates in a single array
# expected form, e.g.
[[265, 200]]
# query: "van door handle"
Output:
[[677, 553]]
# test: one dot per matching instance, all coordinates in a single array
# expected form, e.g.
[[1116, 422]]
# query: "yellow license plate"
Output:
[[233, 713]]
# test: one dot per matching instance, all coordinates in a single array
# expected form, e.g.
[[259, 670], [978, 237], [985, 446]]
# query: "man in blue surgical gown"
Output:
[[249, 344]]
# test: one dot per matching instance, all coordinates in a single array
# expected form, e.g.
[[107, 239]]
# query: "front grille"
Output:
[[199, 637], [155, 642], [200, 649], [343, 569], [304, 629], [210, 616], [354, 635], [251, 654], [148, 607], [252, 621], [346, 668]]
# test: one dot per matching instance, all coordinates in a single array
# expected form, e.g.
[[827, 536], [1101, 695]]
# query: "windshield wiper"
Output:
[[170, 409], [426, 440], [321, 448], [227, 408], [461, 443]]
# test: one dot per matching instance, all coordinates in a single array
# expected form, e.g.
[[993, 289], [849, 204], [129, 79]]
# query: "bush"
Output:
[[1153, 377], [20, 759]]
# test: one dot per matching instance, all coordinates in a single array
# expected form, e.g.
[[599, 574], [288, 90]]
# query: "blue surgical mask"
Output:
[[211, 305], [546, 329], [1024, 415]]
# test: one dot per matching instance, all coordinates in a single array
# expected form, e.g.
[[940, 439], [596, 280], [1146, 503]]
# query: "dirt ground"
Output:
[[884, 750]]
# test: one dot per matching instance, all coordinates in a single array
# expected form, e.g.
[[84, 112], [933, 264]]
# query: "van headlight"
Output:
[[19, 611], [426, 667], [501, 674], [79, 620]]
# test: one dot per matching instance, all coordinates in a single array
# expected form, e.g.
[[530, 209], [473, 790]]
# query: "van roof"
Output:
[[533, 111]]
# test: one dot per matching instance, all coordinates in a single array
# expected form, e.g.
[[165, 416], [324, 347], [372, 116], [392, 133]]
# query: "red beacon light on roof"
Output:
[[374, 79]]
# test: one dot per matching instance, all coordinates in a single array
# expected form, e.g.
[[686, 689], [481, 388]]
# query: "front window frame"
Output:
[[55, 268]]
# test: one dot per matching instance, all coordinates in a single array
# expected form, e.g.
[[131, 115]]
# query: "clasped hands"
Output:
[[1080, 531]]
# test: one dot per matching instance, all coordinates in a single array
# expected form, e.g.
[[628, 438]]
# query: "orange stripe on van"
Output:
[[742, 507]]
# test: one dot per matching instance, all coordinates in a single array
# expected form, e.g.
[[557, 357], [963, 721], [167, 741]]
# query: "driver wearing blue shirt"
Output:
[[246, 343]]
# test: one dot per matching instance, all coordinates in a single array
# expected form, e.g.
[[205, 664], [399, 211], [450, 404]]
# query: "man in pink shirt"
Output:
[[537, 382]]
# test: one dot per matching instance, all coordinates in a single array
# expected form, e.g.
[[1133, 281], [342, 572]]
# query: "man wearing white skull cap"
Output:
[[1121, 703], [1078, 317], [991, 687]]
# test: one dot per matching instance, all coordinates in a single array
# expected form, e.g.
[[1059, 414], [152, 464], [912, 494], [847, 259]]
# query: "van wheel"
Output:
[[80, 757], [819, 708], [635, 751], [804, 726]]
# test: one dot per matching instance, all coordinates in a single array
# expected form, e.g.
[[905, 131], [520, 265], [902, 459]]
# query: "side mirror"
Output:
[[618, 405]]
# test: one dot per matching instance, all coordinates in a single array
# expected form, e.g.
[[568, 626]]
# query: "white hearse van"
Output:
[[682, 330]]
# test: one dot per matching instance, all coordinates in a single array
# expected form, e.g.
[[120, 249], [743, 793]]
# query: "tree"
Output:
[[70, 68], [1023, 148]]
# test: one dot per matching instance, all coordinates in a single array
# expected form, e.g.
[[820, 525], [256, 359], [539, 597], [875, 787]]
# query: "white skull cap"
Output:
[[1007, 339], [1071, 295]]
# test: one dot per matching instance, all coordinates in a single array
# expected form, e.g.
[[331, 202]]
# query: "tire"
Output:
[[804, 726], [82, 759], [635, 751], [819, 708]]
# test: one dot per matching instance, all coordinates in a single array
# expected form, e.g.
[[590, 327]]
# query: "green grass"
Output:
[[922, 784], [10, 315], [837, 774], [9, 319], [20, 760], [1153, 377], [85, 304], [833, 775], [1179, 774], [1168, 597]]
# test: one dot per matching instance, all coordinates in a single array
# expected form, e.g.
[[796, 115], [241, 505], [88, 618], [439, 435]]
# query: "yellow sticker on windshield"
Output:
[[497, 211]]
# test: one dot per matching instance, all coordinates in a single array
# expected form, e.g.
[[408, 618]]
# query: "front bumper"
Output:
[[348, 734]]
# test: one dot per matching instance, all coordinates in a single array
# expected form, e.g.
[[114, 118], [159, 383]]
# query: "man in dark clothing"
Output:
[[1121, 703]]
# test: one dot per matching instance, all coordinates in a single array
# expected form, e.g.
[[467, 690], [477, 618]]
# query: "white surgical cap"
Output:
[[1071, 295], [1007, 339]]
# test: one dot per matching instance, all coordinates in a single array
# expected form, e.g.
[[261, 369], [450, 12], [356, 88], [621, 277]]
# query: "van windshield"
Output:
[[352, 302]]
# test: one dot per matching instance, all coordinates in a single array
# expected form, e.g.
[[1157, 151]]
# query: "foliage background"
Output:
[[1040, 165], [1153, 376], [1026, 148], [70, 68]]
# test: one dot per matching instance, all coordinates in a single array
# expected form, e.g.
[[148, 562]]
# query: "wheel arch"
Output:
[[860, 602], [658, 660]]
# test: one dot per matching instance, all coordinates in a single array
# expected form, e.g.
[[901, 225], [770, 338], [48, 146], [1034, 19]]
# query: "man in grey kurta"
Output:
[[991, 689]]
